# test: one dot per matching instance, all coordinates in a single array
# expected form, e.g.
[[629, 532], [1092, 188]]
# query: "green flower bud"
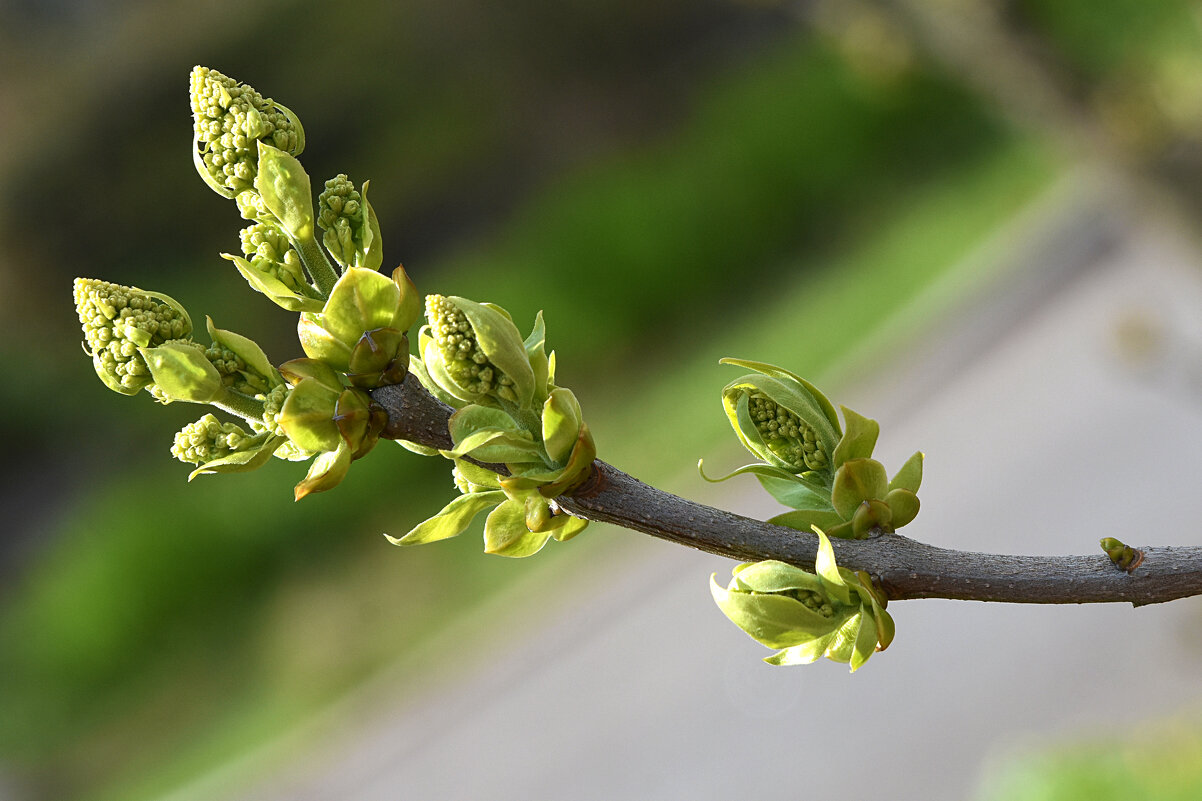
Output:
[[229, 121], [473, 351], [117, 321], [268, 249], [240, 361], [784, 420], [786, 435], [833, 612], [252, 207], [207, 440], [275, 281], [812, 464], [233, 371], [273, 407], [291, 452], [352, 232]]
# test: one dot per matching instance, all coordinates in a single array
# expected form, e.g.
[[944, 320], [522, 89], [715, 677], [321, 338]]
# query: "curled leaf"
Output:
[[326, 472]]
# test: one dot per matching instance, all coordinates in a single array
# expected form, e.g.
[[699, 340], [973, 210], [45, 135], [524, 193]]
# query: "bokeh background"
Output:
[[669, 181]]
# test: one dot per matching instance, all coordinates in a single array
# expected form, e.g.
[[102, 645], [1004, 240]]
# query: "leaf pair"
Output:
[[360, 330], [520, 523]]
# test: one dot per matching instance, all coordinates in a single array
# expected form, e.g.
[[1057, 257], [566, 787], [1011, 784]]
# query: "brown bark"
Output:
[[904, 568]]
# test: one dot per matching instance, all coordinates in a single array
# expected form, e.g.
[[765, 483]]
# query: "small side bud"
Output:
[[1124, 556], [268, 248]]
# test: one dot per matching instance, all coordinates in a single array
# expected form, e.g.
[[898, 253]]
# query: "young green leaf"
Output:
[[909, 477], [859, 438], [856, 481], [452, 520]]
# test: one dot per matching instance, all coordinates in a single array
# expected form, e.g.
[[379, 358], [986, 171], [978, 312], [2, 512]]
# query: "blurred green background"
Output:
[[626, 166]]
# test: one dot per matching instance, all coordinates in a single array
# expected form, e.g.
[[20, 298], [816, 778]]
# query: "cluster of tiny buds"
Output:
[[234, 372], [266, 245], [463, 485], [264, 241], [465, 361], [813, 601], [786, 434], [229, 118], [117, 320], [273, 403], [207, 439], [339, 199]]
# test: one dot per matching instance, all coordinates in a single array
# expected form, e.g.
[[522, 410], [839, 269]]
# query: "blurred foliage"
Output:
[[1159, 761], [790, 156], [1100, 38], [1135, 66], [645, 156]]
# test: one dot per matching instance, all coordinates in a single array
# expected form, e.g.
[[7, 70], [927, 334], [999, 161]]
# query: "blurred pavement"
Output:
[[1062, 404]]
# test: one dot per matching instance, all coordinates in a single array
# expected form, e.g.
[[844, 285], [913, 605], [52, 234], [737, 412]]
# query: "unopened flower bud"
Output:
[[473, 351], [229, 120], [207, 440], [830, 612], [352, 234], [117, 321]]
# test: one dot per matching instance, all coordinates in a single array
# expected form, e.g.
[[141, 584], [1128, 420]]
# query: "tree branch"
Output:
[[902, 567]]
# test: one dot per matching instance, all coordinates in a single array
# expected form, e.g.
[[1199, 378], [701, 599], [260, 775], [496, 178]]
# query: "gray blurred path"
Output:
[[1076, 413]]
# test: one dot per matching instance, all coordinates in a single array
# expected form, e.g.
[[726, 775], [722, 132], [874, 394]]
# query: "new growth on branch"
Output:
[[483, 396]]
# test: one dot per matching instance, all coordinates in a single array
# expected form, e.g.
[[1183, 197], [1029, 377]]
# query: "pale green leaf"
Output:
[[307, 416], [828, 571], [505, 532], [828, 410], [904, 505], [452, 520], [246, 349], [807, 519], [561, 424], [859, 438], [909, 477], [284, 186], [856, 481], [182, 373], [362, 300]]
